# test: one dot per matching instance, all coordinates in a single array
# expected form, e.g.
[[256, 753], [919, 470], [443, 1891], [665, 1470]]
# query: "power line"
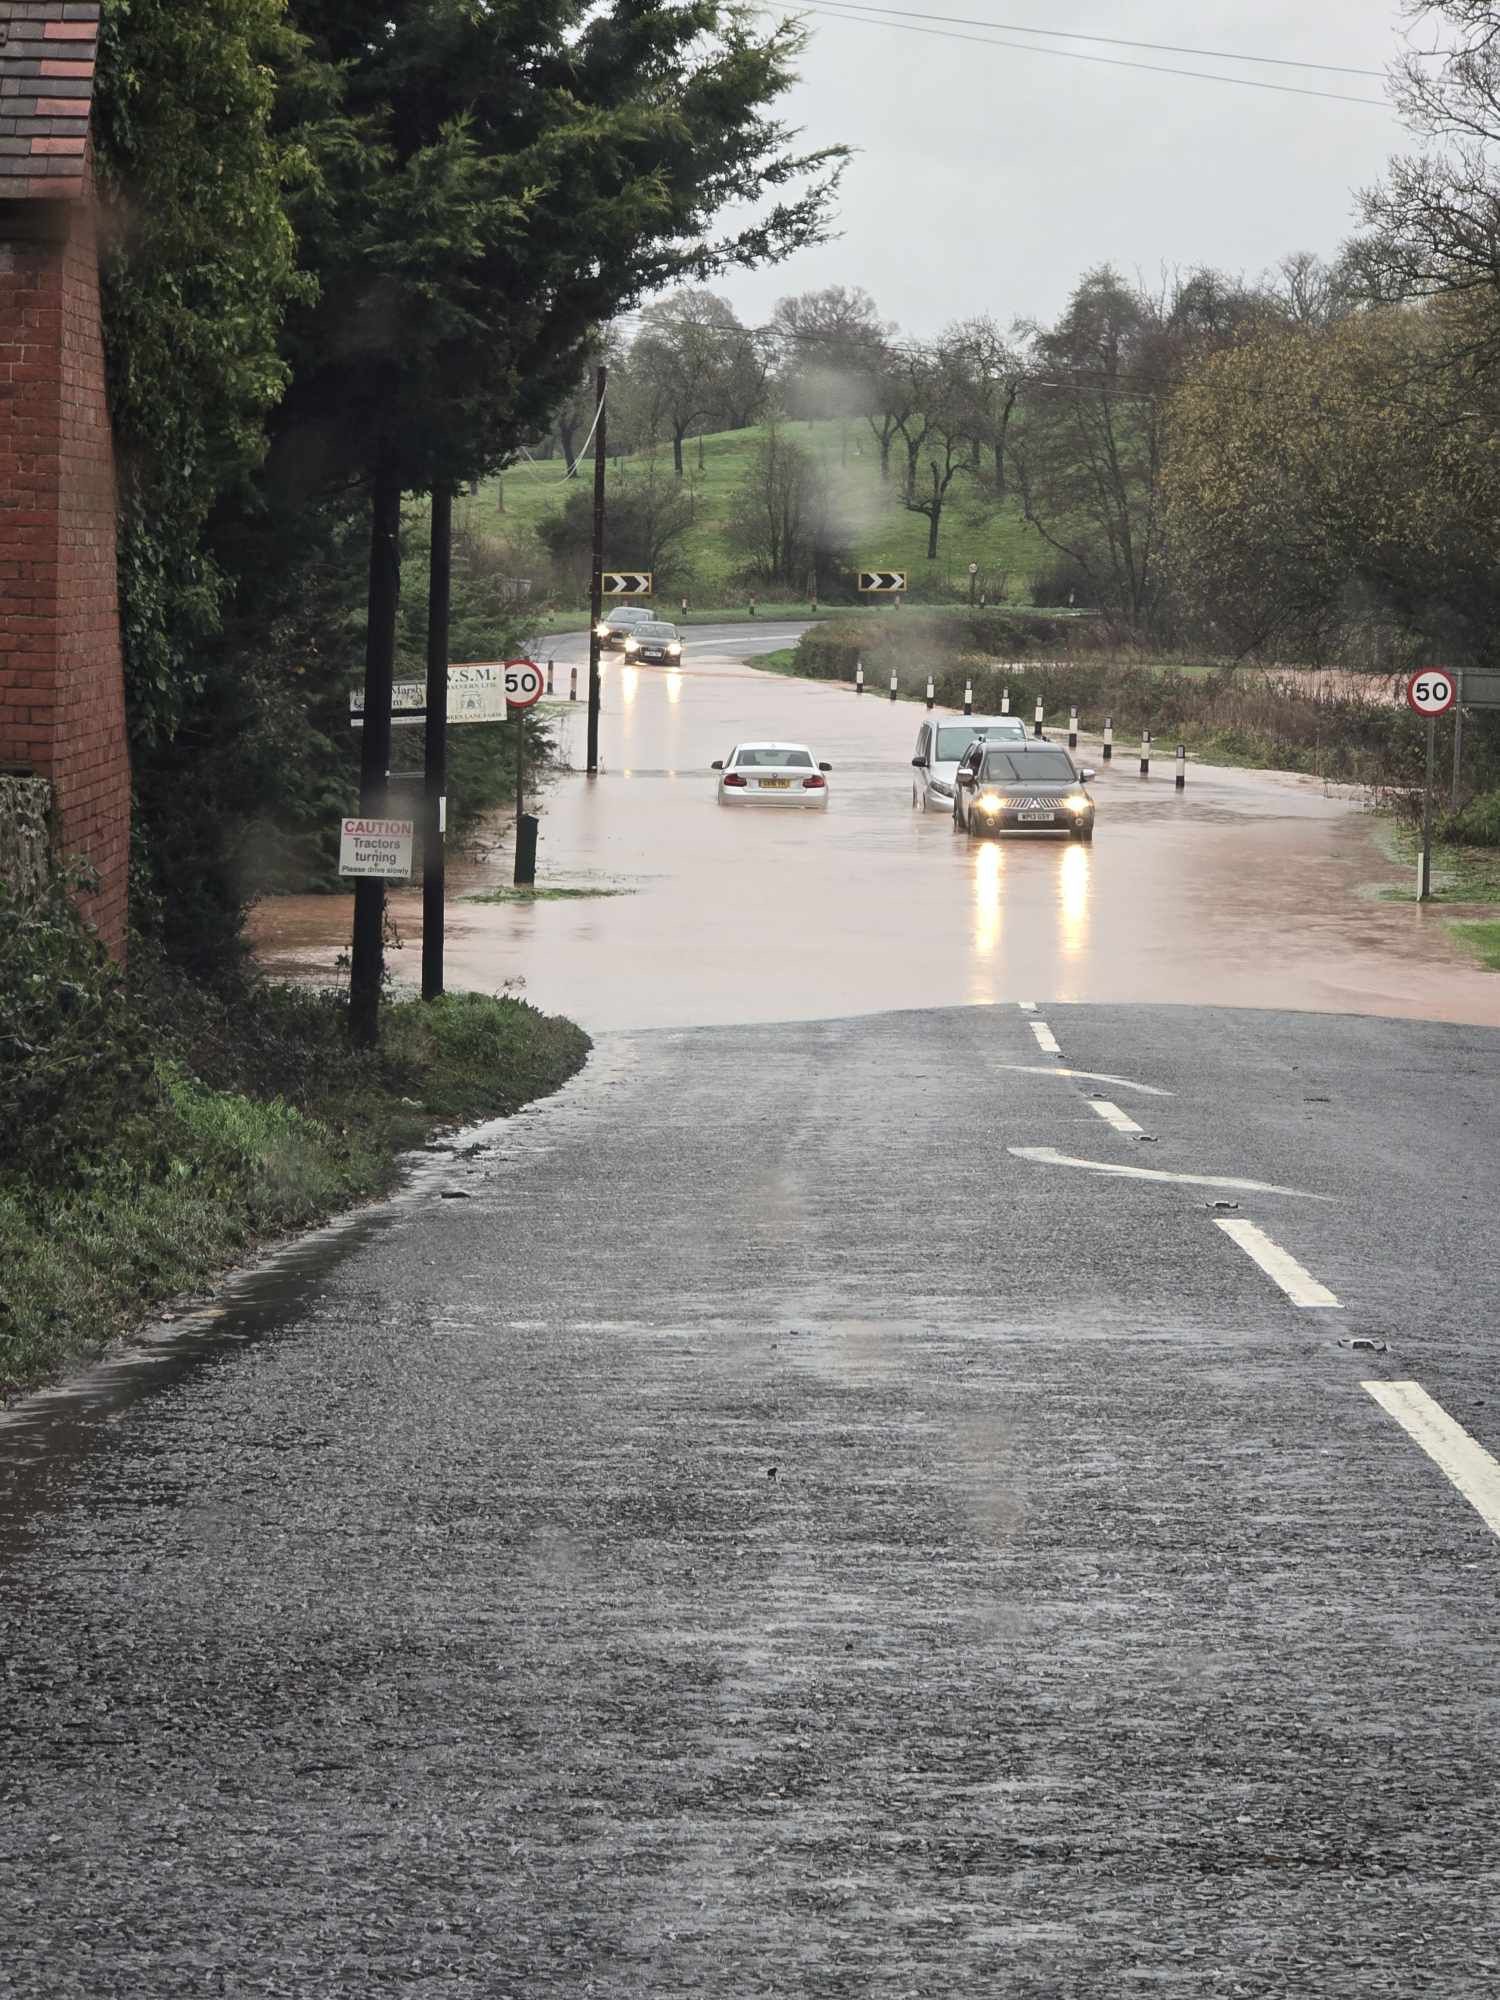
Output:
[[828, 12], [1118, 42]]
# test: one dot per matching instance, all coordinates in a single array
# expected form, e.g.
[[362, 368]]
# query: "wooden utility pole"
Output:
[[435, 761], [596, 595], [367, 967]]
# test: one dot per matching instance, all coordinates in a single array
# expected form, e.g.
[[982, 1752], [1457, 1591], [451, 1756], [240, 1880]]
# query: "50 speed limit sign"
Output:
[[1433, 691], [524, 683]]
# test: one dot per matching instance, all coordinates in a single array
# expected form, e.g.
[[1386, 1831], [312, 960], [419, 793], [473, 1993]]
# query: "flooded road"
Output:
[[1245, 890]]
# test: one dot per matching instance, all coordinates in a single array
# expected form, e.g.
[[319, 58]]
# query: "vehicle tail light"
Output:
[[734, 778], [815, 783]]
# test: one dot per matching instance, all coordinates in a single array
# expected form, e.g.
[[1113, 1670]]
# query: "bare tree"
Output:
[[784, 522], [1090, 456], [936, 427], [695, 364], [989, 372], [833, 342]]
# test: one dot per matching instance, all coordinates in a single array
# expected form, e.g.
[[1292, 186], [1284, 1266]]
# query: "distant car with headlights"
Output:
[[941, 742], [1022, 788], [655, 641], [772, 774], [615, 627]]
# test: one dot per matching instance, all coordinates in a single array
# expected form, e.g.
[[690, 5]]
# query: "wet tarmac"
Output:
[[851, 1562], [1248, 889]]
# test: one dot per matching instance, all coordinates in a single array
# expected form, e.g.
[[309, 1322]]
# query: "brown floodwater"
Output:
[[1248, 889]]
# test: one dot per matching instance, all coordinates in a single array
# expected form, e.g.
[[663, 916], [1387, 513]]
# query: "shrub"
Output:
[[77, 1066]]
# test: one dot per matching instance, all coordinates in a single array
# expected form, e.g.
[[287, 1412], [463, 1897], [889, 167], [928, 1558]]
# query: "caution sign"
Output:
[[376, 847]]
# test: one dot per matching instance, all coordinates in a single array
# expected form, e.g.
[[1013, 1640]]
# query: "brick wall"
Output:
[[62, 706]]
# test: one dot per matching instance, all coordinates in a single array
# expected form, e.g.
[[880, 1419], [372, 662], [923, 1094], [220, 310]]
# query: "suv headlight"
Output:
[[1079, 802]]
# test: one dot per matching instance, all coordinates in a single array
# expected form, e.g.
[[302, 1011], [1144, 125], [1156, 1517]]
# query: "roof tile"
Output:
[[46, 46]]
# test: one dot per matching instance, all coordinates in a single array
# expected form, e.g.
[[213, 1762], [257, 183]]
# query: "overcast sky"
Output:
[[986, 179]]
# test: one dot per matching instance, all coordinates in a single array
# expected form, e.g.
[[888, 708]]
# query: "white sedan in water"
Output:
[[772, 774]]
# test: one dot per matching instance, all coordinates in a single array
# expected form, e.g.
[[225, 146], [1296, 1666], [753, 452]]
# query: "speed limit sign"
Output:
[[1433, 691], [524, 683]]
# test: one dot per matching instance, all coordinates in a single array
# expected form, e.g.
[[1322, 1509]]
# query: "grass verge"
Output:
[[1483, 939], [260, 1122], [512, 895], [1460, 873]]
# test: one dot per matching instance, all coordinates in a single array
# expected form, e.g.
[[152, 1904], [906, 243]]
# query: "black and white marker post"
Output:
[[1041, 711], [1073, 727], [1431, 693], [931, 692], [895, 685], [1181, 781], [1145, 753], [968, 697], [1005, 701], [1109, 739], [859, 676]]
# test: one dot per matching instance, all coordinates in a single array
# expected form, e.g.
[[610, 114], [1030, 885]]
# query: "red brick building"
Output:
[[62, 698]]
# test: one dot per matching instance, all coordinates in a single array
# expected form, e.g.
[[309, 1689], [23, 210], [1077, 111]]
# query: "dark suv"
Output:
[[1022, 788]]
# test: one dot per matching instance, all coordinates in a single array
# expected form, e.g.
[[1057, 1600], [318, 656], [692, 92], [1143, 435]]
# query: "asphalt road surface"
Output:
[[972, 1500]]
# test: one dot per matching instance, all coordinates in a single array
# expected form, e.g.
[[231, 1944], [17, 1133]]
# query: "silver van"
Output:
[[941, 742]]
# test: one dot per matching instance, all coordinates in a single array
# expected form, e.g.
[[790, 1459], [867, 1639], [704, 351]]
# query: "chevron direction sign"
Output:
[[627, 583], [882, 579]]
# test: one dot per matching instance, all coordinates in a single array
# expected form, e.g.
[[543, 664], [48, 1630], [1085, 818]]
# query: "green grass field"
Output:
[[880, 532]]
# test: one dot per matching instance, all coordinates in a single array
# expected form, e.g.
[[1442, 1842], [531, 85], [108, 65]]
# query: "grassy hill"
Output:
[[881, 533]]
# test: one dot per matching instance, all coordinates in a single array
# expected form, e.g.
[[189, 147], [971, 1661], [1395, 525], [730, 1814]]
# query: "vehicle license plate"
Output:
[[775, 784], [1039, 818]]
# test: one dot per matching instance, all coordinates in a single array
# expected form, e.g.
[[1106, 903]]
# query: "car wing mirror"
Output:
[[717, 764], [1088, 772], [825, 767], [964, 778], [919, 763]]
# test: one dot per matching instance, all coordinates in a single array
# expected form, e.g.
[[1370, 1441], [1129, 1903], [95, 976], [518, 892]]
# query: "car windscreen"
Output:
[[629, 614], [1028, 767], [656, 631], [772, 757]]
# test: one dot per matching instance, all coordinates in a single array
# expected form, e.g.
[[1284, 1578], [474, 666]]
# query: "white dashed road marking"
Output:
[[1046, 1041], [1088, 1075], [1446, 1443], [1112, 1115], [1048, 1156], [1300, 1286]]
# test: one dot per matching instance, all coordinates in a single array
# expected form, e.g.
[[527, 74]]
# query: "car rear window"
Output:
[[1042, 767], [952, 743], [771, 757]]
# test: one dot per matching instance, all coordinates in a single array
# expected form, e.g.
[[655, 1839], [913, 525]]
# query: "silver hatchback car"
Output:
[[941, 742]]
